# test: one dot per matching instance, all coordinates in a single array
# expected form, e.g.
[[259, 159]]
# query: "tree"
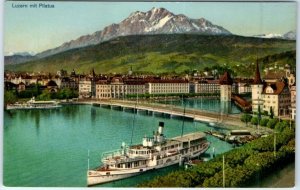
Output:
[[272, 122], [246, 118], [271, 112], [263, 122], [46, 95], [9, 97], [259, 114], [280, 126], [254, 121]]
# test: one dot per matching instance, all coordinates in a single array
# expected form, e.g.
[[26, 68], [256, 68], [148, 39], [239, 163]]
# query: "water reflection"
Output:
[[226, 107], [207, 104], [93, 115], [69, 111]]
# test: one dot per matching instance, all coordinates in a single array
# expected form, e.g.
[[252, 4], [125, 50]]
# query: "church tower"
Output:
[[257, 89]]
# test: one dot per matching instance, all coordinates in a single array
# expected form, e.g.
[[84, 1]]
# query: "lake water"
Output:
[[208, 104], [49, 148]]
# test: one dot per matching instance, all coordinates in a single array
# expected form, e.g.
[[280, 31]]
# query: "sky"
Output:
[[39, 29]]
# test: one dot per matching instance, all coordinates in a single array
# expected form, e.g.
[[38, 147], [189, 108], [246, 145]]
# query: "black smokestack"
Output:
[[161, 124]]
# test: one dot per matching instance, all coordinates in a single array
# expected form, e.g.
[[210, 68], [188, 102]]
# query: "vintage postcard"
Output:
[[149, 94]]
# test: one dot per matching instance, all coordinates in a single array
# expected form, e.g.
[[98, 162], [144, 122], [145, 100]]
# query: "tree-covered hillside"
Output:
[[167, 54]]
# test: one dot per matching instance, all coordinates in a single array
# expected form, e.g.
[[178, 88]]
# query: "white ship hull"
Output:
[[97, 177], [26, 107], [33, 104]]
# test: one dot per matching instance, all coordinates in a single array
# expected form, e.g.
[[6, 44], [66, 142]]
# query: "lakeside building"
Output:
[[167, 86], [116, 87], [283, 74], [85, 88], [242, 86], [270, 94], [206, 86], [293, 102]]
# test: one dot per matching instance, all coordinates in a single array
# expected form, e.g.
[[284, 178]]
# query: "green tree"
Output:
[[254, 121], [46, 95], [258, 114], [272, 122], [280, 126], [271, 113], [263, 122], [9, 97], [246, 118]]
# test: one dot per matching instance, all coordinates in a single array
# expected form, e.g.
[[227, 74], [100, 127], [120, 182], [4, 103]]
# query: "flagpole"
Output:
[[223, 171], [88, 159]]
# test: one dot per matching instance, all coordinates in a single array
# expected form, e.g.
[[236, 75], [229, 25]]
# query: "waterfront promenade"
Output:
[[230, 121]]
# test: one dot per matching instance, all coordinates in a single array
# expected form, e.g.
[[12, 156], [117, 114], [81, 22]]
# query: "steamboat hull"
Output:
[[97, 178]]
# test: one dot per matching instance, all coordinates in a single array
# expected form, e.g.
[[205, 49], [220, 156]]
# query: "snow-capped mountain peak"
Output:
[[24, 53], [154, 21], [291, 35]]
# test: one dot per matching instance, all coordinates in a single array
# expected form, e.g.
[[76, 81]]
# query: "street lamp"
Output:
[[223, 171]]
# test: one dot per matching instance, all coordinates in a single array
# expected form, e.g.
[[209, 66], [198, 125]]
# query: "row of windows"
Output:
[[168, 84], [170, 147]]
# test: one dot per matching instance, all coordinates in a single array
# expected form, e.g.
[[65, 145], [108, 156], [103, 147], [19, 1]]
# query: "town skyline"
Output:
[[253, 19]]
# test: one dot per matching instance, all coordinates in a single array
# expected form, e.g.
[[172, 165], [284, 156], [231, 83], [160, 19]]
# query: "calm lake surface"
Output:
[[208, 104], [49, 148]]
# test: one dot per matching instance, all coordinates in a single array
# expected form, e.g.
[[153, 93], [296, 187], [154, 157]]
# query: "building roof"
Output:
[[226, 79], [277, 87], [257, 79], [275, 74], [51, 83]]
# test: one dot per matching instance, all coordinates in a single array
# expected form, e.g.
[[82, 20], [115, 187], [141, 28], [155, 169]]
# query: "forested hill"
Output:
[[167, 53]]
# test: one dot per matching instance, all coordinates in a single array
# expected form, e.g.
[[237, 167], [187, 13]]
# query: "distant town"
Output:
[[276, 92]]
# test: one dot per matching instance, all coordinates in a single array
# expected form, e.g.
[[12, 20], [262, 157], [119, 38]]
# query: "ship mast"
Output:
[[183, 116], [135, 110]]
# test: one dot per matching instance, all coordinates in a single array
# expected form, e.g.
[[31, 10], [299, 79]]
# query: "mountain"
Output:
[[24, 53], [16, 58], [154, 21], [277, 36], [291, 35], [164, 53]]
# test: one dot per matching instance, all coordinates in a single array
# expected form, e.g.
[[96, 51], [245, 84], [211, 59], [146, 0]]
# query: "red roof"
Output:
[[277, 87], [226, 79]]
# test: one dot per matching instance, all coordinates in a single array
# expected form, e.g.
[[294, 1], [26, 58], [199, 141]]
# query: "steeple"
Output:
[[257, 79]]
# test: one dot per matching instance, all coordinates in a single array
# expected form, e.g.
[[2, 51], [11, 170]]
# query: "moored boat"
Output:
[[155, 152], [33, 104]]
